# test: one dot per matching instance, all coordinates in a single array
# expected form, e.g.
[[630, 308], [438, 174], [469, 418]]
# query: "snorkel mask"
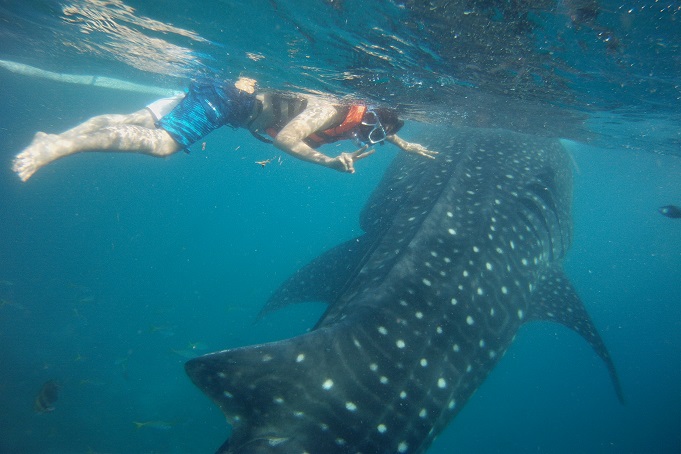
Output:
[[375, 135]]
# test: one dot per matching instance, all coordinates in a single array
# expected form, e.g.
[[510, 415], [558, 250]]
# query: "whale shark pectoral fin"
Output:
[[324, 278], [555, 299]]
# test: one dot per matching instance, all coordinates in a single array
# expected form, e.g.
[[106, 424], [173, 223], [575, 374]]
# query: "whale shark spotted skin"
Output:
[[458, 253]]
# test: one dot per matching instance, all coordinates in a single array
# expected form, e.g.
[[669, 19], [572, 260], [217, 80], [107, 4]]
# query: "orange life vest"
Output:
[[340, 132]]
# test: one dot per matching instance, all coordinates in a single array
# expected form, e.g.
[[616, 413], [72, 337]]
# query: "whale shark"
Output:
[[457, 254]]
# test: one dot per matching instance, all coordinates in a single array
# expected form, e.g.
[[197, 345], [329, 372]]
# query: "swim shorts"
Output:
[[162, 107], [206, 107]]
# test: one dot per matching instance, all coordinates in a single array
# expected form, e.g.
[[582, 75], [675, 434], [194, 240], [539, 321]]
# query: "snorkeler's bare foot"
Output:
[[41, 151]]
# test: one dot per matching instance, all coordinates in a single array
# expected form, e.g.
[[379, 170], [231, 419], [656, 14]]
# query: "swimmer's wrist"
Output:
[[327, 161], [334, 163]]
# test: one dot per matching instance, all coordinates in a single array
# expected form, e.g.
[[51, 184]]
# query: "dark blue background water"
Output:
[[116, 268]]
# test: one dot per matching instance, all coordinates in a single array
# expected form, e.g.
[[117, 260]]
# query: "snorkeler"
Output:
[[297, 124]]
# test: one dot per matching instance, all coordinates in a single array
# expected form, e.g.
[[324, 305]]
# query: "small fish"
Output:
[[265, 162], [87, 299], [159, 425], [46, 397], [671, 211], [4, 302], [197, 346], [78, 315], [163, 330], [123, 364], [79, 358], [192, 350]]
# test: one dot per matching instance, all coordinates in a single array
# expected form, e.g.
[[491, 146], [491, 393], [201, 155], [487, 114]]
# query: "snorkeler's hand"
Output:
[[419, 149], [345, 162]]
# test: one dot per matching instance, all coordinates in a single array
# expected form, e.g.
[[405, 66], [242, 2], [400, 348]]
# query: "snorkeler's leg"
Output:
[[141, 118], [46, 148], [123, 138]]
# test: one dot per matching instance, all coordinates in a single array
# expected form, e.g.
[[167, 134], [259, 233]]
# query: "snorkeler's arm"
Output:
[[410, 147], [317, 116]]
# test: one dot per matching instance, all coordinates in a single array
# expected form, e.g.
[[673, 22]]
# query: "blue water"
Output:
[[114, 269]]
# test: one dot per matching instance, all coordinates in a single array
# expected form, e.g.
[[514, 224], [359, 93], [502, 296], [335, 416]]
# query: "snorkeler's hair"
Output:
[[389, 119]]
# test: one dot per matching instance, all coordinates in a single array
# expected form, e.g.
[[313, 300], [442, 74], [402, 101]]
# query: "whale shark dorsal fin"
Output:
[[555, 299]]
